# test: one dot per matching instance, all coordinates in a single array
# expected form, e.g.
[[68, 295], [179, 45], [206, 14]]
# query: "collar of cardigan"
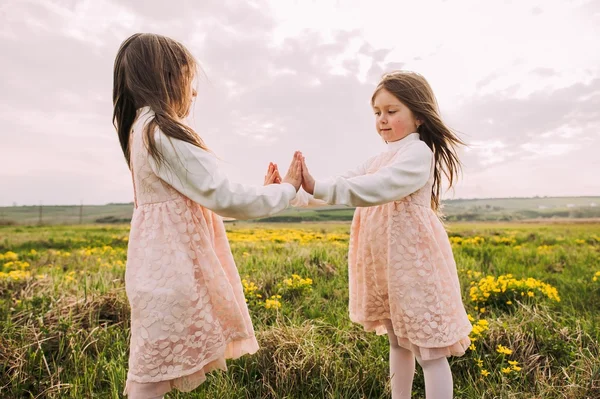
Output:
[[395, 145]]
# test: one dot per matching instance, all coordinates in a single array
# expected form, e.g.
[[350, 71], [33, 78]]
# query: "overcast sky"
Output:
[[520, 81]]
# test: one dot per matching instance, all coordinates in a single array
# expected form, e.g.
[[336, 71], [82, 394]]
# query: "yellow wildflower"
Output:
[[10, 256], [272, 303], [504, 350]]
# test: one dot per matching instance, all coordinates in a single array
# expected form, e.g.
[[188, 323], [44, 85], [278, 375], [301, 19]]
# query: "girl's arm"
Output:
[[306, 200], [195, 173], [409, 173]]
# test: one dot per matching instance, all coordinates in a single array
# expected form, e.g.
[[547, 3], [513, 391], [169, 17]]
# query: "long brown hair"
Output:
[[413, 91], [155, 71]]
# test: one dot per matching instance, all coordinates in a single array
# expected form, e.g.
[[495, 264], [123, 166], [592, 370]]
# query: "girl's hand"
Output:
[[294, 173], [272, 176], [308, 182]]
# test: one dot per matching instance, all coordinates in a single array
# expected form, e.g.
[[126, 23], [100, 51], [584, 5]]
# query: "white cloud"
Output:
[[489, 152], [546, 150], [517, 79]]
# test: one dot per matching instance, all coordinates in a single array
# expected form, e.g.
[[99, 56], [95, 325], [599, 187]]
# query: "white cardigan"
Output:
[[358, 188], [195, 173]]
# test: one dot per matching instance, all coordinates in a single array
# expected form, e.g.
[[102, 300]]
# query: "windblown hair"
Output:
[[415, 92], [154, 71]]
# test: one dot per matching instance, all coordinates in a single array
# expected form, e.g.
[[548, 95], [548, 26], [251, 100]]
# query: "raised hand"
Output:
[[294, 173], [308, 182], [272, 176]]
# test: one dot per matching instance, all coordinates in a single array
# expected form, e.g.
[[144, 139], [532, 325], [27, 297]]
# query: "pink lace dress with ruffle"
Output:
[[401, 267], [188, 311]]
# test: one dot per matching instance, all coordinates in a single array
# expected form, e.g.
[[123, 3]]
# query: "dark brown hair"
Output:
[[155, 71], [413, 91]]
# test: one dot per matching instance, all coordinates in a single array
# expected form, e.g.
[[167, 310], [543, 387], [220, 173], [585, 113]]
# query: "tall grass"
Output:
[[64, 316]]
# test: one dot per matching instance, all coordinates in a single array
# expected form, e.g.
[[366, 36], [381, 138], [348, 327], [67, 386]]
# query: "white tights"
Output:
[[437, 374]]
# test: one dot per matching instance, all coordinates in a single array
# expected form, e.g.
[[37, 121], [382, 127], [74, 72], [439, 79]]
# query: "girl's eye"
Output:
[[377, 113], [392, 112]]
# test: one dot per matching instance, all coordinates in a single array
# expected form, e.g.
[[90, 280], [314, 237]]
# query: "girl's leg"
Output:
[[146, 397], [402, 367], [152, 390], [438, 378]]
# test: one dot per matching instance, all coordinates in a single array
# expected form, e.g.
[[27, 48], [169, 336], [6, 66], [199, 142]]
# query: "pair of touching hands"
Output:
[[297, 174]]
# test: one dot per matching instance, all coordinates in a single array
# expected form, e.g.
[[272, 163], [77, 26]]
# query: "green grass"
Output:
[[492, 209], [64, 328]]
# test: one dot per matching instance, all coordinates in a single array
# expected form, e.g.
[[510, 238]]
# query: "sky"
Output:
[[518, 80]]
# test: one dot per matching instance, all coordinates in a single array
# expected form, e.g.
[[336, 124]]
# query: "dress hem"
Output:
[[211, 364], [456, 347]]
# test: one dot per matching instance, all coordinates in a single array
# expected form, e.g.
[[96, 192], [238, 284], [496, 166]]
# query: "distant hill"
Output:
[[489, 209], [508, 209]]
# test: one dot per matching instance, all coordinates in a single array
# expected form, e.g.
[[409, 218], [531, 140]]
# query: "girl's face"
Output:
[[191, 93], [393, 119]]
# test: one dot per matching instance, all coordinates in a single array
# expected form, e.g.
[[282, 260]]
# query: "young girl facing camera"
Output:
[[403, 277]]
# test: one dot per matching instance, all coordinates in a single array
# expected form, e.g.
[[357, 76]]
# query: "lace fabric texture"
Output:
[[188, 311], [401, 269]]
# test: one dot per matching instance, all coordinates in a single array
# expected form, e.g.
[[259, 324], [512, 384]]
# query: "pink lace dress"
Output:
[[188, 311], [401, 267]]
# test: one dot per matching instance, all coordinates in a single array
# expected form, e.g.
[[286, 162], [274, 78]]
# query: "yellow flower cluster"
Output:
[[467, 241], [545, 249], [504, 350], [513, 366], [59, 253], [483, 371], [596, 276], [15, 276], [471, 274], [120, 238], [9, 256], [297, 282], [14, 270], [250, 290], [273, 302], [504, 288], [254, 298], [16, 265], [290, 286], [104, 251], [70, 277], [478, 329], [504, 240], [295, 286], [280, 236]]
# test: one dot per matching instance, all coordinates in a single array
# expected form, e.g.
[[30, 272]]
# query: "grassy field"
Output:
[[492, 209], [532, 292]]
